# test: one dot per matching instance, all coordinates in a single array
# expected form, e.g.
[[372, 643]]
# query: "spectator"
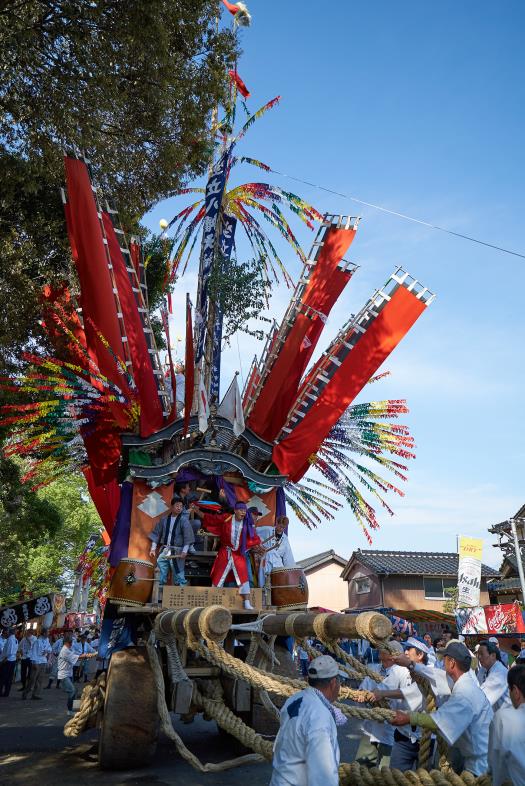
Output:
[[40, 650], [24, 648], [507, 734], [8, 662], [303, 660]]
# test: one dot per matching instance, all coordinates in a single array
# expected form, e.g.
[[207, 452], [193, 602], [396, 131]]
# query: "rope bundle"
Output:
[[91, 702]]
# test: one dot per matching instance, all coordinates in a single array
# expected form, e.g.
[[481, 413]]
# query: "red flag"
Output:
[[170, 304], [291, 456], [189, 367], [241, 87], [165, 322], [239, 11], [151, 418], [326, 283]]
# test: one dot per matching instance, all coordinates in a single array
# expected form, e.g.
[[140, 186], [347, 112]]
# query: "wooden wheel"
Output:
[[130, 726]]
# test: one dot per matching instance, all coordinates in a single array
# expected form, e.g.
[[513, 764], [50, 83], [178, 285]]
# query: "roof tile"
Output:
[[429, 563]]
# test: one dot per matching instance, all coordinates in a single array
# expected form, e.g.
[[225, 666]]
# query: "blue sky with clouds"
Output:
[[418, 107]]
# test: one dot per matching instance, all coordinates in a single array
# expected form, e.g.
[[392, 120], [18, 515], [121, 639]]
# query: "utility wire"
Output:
[[400, 215]]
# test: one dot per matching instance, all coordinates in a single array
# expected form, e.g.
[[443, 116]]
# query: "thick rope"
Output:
[[357, 775], [277, 684], [91, 702], [210, 706]]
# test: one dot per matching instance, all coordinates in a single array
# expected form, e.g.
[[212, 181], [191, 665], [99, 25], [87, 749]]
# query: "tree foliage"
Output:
[[241, 291], [132, 83], [42, 533]]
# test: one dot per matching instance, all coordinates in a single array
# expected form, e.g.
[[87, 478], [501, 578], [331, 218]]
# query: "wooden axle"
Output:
[[336, 626], [218, 622]]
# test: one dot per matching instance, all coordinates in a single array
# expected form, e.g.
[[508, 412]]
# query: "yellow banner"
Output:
[[470, 547]]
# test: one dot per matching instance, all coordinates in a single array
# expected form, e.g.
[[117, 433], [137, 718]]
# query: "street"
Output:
[[34, 750]]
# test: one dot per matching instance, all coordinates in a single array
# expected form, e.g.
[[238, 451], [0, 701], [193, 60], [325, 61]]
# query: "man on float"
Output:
[[279, 553], [237, 536]]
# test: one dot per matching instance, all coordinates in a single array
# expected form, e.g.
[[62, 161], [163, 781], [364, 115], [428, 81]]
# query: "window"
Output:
[[363, 585], [438, 589]]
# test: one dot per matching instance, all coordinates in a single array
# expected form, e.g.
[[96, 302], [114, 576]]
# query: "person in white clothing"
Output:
[[427, 638], [503, 655], [507, 735], [306, 751], [463, 719], [376, 744], [278, 551], [67, 660], [53, 661], [8, 662], [492, 676], [24, 648], [405, 750], [40, 650]]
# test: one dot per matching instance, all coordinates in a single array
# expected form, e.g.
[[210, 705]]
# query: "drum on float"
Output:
[[289, 588], [132, 582]]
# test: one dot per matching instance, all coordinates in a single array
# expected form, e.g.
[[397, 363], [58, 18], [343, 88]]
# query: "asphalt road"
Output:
[[33, 750]]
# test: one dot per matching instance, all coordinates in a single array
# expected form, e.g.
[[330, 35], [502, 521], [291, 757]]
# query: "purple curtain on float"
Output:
[[120, 540]]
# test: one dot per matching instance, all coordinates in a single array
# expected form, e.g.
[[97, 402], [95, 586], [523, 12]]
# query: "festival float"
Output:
[[292, 440]]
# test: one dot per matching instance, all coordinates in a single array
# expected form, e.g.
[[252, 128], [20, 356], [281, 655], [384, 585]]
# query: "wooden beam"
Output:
[[218, 621], [337, 625]]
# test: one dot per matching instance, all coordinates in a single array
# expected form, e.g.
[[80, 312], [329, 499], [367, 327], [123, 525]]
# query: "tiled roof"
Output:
[[428, 563], [505, 584], [320, 559], [504, 526]]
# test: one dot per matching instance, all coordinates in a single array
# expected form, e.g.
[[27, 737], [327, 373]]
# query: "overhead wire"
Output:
[[400, 215]]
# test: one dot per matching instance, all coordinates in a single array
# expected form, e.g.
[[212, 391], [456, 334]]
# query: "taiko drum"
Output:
[[132, 582], [289, 588]]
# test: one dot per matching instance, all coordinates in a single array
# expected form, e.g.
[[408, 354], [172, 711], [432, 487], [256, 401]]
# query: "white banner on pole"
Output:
[[469, 571]]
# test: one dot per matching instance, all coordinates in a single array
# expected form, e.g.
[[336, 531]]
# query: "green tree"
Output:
[[132, 83], [42, 533]]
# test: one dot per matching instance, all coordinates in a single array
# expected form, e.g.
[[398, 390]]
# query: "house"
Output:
[[326, 588], [404, 579]]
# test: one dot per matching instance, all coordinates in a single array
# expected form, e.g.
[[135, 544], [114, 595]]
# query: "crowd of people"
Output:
[[62, 659], [480, 710]]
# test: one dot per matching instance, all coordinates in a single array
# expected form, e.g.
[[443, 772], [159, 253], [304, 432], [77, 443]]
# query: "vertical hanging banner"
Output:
[[213, 201], [225, 249], [469, 571]]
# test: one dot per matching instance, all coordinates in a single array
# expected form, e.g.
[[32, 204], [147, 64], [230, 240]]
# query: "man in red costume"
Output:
[[237, 535]]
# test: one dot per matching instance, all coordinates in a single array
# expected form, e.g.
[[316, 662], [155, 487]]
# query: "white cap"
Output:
[[494, 640], [324, 668], [417, 644]]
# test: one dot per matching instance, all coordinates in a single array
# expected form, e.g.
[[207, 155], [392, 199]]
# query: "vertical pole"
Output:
[[519, 559], [75, 600]]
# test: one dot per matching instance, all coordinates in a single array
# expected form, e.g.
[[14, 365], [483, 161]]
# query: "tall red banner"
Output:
[[322, 291], [397, 317], [151, 418]]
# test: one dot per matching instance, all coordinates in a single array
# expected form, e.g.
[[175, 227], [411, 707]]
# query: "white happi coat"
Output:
[[464, 721], [507, 746], [279, 557], [395, 678], [494, 685], [306, 751]]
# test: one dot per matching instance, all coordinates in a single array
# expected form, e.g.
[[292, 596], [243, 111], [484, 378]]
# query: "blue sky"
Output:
[[418, 107]]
